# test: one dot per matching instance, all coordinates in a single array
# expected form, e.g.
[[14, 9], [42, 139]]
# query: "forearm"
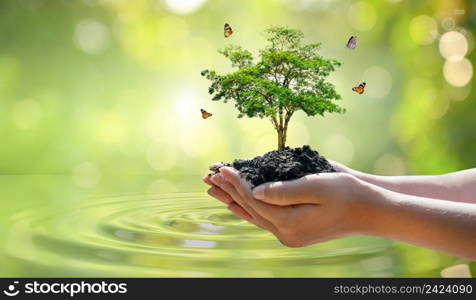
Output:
[[459, 186], [446, 226]]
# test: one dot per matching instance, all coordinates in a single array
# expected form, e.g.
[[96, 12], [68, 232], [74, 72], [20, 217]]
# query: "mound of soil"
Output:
[[281, 165]]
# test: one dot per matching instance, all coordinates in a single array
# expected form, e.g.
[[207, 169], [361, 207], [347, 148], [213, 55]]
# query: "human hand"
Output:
[[340, 168], [300, 212], [459, 186], [324, 206]]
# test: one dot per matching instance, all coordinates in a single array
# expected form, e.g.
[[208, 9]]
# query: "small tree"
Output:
[[288, 77]]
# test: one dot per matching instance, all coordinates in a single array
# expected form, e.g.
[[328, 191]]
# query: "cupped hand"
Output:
[[340, 168], [300, 212]]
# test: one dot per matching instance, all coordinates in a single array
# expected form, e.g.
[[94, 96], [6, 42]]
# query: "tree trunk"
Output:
[[281, 128], [281, 138]]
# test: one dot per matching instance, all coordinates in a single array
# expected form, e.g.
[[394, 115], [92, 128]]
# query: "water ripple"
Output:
[[181, 234]]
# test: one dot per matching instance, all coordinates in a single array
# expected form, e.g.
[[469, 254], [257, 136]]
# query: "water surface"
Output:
[[135, 226]]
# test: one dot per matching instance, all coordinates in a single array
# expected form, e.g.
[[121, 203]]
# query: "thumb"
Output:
[[339, 167], [299, 191]]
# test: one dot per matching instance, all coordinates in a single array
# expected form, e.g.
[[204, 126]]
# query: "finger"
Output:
[[219, 181], [284, 193], [337, 166], [232, 176], [212, 167], [240, 212], [215, 166], [243, 187], [219, 194], [340, 168], [207, 180]]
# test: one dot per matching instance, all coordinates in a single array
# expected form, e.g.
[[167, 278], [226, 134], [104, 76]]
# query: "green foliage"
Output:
[[287, 77]]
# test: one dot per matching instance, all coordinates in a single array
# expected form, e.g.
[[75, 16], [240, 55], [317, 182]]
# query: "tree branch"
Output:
[[266, 97], [275, 122], [281, 118], [286, 120], [289, 114]]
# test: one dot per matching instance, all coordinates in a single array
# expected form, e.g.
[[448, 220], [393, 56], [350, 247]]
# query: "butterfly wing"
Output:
[[205, 114], [360, 88], [352, 43], [227, 30]]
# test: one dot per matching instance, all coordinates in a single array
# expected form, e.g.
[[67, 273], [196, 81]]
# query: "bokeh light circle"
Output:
[[439, 102], [423, 29], [456, 271], [453, 45], [448, 23], [184, 7], [91, 36], [362, 16], [458, 93], [458, 73], [469, 39]]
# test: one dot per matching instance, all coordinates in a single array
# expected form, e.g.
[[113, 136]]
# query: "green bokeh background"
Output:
[[105, 93]]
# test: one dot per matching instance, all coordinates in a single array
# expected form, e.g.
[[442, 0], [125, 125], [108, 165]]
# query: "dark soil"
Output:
[[281, 165]]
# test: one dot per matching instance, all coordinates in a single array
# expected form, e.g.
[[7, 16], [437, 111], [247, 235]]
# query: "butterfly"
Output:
[[205, 114], [228, 30], [360, 88], [352, 43]]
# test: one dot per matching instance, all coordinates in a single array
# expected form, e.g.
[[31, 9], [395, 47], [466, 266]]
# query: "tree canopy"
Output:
[[287, 77]]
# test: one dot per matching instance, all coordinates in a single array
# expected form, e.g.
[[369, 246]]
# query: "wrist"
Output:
[[366, 200]]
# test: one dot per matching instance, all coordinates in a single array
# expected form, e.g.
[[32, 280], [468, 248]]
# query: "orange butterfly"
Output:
[[228, 30], [360, 88], [205, 114]]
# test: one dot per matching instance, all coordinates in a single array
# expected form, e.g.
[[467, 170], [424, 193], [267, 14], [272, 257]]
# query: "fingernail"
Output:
[[217, 178], [258, 192], [223, 169]]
